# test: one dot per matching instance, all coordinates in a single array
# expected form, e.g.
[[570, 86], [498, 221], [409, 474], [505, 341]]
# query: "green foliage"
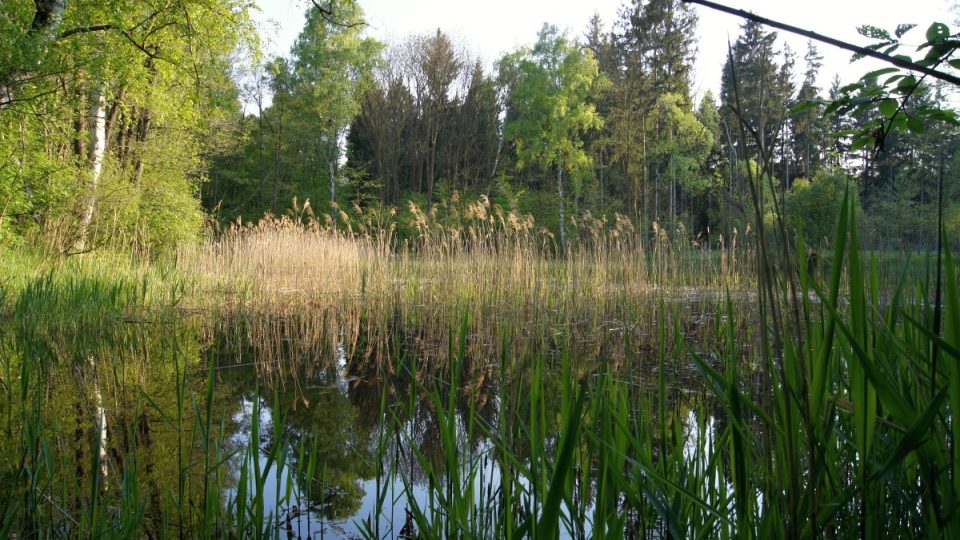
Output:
[[35, 188], [883, 95], [549, 89], [813, 206], [163, 73], [951, 224], [331, 66], [682, 145]]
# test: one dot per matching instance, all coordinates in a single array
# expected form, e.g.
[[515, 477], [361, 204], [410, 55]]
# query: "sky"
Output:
[[489, 28]]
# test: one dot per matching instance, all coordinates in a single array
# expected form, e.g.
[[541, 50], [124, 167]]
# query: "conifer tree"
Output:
[[809, 128]]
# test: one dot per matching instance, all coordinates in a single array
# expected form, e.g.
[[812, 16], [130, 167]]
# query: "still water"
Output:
[[307, 425]]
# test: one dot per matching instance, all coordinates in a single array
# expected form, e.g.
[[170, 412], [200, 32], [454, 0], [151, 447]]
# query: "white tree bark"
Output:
[[332, 167], [99, 425], [496, 163], [98, 148]]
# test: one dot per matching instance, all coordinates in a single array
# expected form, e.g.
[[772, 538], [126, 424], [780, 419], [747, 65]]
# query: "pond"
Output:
[[334, 423]]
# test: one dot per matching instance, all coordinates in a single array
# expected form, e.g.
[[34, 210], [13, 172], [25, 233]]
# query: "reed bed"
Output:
[[498, 264], [847, 432], [820, 405]]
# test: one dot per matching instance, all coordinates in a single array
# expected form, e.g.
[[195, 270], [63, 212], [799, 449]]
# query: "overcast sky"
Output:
[[490, 28]]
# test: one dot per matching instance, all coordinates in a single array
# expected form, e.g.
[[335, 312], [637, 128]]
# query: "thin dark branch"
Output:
[[102, 27], [327, 14], [86, 29], [149, 18], [105, 27], [158, 28], [152, 54], [4, 101], [899, 62]]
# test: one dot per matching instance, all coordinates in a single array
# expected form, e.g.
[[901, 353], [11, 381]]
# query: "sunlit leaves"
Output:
[[549, 86], [164, 69]]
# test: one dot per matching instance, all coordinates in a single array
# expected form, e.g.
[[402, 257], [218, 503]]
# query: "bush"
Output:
[[813, 207]]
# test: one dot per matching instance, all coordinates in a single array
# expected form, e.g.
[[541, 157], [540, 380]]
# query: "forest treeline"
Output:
[[138, 123]]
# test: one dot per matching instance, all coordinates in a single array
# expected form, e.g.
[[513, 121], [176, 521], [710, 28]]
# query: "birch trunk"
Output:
[[496, 163], [331, 166], [98, 147], [99, 426]]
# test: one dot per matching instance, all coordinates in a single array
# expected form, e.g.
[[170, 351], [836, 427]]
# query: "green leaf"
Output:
[[550, 515], [893, 79], [863, 141], [938, 51], [819, 368], [944, 115], [914, 437], [876, 73], [937, 32], [851, 87], [9, 518], [874, 32], [907, 81], [897, 123], [888, 107], [954, 63], [903, 29], [923, 328], [916, 125]]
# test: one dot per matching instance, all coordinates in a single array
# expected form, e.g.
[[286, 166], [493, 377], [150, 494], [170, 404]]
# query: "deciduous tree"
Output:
[[549, 89]]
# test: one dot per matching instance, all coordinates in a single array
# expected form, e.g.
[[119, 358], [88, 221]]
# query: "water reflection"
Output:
[[350, 404]]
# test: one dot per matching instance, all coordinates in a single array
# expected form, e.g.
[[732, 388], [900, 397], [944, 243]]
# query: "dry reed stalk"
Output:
[[477, 257]]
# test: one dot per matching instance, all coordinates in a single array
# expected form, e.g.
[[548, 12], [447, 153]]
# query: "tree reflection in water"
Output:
[[353, 396]]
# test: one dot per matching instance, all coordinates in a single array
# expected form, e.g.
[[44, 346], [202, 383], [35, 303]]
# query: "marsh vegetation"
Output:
[[290, 377], [553, 301]]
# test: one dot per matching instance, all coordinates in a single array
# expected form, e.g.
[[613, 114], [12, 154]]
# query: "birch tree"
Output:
[[549, 89], [107, 108], [331, 62]]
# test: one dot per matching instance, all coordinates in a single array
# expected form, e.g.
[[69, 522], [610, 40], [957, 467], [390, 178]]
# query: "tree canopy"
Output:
[[134, 123]]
